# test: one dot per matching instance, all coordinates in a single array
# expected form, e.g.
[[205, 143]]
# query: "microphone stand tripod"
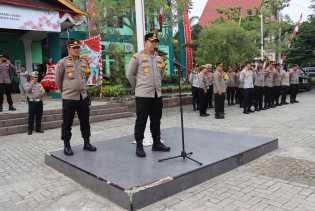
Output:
[[184, 155]]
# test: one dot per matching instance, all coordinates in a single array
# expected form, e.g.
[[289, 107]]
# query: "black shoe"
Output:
[[29, 132], [1, 109], [87, 146], [256, 109], [285, 103], [245, 112], [140, 151], [11, 108], [40, 131], [295, 101], [68, 151], [232, 103], [219, 117], [160, 147], [204, 115]]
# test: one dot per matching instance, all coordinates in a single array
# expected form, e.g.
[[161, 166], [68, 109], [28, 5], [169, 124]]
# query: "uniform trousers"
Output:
[[219, 104], [203, 101], [284, 91], [195, 97], [268, 96], [259, 96], [6, 89], [152, 108], [210, 96], [277, 94], [248, 98], [230, 94], [35, 112], [82, 108], [294, 89]]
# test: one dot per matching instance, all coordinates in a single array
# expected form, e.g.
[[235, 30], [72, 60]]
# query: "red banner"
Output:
[[187, 35]]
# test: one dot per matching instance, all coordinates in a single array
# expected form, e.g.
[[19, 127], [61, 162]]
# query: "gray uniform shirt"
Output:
[[145, 74], [218, 83], [5, 73], [203, 83], [268, 78], [193, 79], [231, 82], [276, 78], [70, 78], [259, 77], [33, 91], [285, 78], [209, 77], [294, 76]]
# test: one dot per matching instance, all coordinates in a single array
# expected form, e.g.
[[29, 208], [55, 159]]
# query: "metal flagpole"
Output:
[[140, 20]]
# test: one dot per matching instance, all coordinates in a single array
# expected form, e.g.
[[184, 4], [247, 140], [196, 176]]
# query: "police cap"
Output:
[[151, 37], [73, 44]]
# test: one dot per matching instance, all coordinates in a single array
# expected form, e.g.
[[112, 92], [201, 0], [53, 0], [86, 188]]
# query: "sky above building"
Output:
[[294, 10]]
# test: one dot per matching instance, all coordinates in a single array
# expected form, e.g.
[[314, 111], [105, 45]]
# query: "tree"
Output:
[[227, 43], [110, 12], [302, 50]]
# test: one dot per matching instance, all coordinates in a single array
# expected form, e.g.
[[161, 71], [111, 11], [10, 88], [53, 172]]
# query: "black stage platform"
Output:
[[116, 173]]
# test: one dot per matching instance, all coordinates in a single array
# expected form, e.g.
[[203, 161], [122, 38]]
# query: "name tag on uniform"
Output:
[[146, 68]]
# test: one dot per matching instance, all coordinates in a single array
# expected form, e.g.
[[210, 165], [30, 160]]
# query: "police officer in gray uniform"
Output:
[[6, 70], [34, 92], [219, 89], [145, 73], [71, 79], [295, 73], [259, 77]]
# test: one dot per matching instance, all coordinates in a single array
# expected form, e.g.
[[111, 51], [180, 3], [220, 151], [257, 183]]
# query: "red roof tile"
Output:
[[210, 13]]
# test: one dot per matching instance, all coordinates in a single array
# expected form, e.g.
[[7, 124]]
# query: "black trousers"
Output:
[[219, 104], [151, 107], [237, 95], [210, 96], [284, 91], [268, 96], [259, 96], [6, 89], [248, 98], [294, 89], [203, 101], [277, 94], [195, 97], [230, 94], [35, 111], [69, 108], [241, 96]]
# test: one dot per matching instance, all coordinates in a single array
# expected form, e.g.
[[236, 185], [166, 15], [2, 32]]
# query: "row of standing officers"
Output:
[[261, 87]]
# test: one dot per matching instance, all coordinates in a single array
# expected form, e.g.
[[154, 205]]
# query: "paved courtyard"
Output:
[[282, 180]]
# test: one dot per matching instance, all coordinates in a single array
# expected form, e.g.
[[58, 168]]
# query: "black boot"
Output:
[[39, 130], [88, 146], [159, 146], [67, 148], [1, 109], [139, 150], [11, 108]]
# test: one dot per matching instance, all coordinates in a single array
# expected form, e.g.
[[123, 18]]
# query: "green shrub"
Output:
[[113, 91], [93, 91]]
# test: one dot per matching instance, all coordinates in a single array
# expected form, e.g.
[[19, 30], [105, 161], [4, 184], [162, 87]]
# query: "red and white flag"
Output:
[[296, 30]]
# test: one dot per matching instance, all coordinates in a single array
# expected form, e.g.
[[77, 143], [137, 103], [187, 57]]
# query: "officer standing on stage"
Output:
[[193, 80], [6, 72], [71, 77], [145, 73], [203, 91], [34, 92]]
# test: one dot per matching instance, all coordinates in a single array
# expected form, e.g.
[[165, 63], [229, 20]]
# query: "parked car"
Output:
[[305, 81], [310, 71]]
